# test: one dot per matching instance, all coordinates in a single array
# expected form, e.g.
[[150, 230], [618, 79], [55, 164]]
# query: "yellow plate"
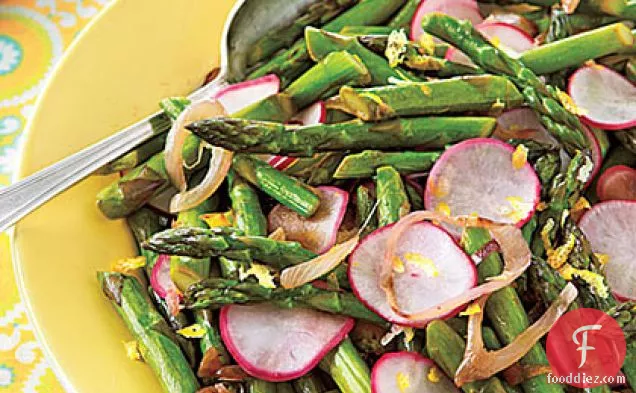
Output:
[[135, 53]]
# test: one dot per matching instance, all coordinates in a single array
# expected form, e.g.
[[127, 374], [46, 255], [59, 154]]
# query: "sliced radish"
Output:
[[317, 233], [241, 95], [597, 153], [281, 162], [478, 176], [160, 279], [460, 9], [508, 37], [610, 226], [408, 372], [277, 344], [607, 99], [617, 183], [435, 269], [313, 114]]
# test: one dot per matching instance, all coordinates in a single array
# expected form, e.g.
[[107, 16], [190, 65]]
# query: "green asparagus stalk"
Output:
[[416, 58], [482, 93], [446, 348], [334, 70], [347, 369], [152, 333], [505, 311], [309, 383], [205, 243], [260, 386], [365, 202], [275, 138], [317, 14], [393, 202], [376, 38], [135, 157], [366, 30], [287, 190], [364, 165], [286, 387], [143, 224], [628, 139], [564, 125], [403, 18], [248, 215], [580, 48], [316, 170], [321, 43], [415, 196], [294, 61], [211, 343], [216, 292]]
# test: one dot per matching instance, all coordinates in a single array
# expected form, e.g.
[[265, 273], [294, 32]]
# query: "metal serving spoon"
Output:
[[246, 24]]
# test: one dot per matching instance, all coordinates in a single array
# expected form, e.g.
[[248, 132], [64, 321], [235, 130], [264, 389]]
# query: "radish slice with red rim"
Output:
[[317, 233], [435, 269], [313, 114], [241, 95], [160, 279], [460, 9], [276, 344], [606, 98], [478, 176], [510, 38], [609, 226], [409, 372], [617, 183]]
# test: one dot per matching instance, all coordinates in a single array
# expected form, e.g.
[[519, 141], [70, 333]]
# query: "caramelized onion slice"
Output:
[[516, 255], [479, 363]]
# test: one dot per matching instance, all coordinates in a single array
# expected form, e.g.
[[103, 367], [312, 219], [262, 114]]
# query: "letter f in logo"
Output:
[[583, 347]]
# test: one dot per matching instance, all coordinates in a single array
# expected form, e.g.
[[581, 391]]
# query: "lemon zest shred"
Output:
[[542, 206], [439, 188], [518, 209], [193, 331], [602, 258], [559, 256], [434, 375], [520, 157], [496, 42], [426, 43], [443, 208], [594, 280], [262, 274], [398, 265], [409, 334], [128, 265], [425, 264], [402, 381], [545, 235], [219, 220], [473, 309], [581, 205], [569, 105], [132, 351]]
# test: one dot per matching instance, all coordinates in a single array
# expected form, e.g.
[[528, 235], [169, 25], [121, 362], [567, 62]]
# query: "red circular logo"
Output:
[[586, 348]]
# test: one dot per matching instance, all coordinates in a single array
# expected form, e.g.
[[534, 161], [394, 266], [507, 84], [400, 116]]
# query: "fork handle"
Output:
[[21, 198]]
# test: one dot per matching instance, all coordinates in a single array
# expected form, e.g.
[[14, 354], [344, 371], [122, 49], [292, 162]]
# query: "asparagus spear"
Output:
[[260, 386], [564, 125], [285, 388], [403, 18], [505, 311], [321, 43], [217, 292], [309, 383], [288, 190], [366, 30], [248, 214], [417, 59], [446, 348], [135, 157], [316, 170], [204, 243], [275, 138], [628, 139], [347, 369], [393, 202], [472, 93], [317, 14], [580, 48], [365, 202], [152, 333], [364, 165], [211, 344], [294, 61]]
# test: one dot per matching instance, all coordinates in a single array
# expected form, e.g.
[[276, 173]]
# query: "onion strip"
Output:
[[479, 363], [298, 275], [516, 255]]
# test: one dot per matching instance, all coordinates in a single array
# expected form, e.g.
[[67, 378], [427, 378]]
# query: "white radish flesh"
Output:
[[435, 269], [478, 176], [241, 95], [276, 344], [606, 98], [409, 372], [610, 227]]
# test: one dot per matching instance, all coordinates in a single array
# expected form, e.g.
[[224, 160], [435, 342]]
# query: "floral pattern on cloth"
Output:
[[33, 36]]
